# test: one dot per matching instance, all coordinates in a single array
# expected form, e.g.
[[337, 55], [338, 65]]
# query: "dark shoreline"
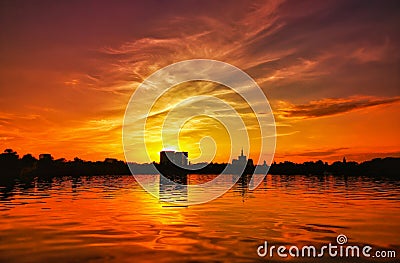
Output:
[[26, 168]]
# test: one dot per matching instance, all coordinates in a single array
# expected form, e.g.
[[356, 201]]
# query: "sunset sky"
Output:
[[330, 70]]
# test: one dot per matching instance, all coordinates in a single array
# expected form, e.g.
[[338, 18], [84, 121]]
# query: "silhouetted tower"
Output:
[[242, 158], [344, 159]]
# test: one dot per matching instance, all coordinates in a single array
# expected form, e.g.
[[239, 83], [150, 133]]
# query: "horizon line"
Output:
[[273, 161]]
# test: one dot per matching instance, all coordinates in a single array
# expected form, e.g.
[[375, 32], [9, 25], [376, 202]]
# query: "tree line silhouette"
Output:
[[376, 167], [28, 167]]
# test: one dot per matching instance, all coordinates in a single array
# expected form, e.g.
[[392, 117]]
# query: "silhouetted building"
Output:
[[242, 164], [181, 158], [241, 161], [172, 157]]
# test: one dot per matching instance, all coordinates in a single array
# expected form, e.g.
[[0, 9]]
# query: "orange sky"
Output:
[[330, 70]]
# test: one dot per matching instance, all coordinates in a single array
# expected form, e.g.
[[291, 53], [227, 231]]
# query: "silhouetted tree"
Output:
[[9, 165]]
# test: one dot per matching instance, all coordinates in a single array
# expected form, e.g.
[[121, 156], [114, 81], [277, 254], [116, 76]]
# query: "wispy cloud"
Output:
[[312, 60], [329, 107], [318, 153]]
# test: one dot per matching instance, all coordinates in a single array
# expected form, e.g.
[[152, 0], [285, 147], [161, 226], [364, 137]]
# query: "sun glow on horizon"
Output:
[[334, 94], [184, 119]]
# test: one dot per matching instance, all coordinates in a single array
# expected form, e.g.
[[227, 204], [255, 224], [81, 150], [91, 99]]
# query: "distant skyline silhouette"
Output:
[[28, 167]]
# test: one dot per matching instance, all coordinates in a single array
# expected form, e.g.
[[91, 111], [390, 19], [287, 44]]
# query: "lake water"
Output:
[[97, 219]]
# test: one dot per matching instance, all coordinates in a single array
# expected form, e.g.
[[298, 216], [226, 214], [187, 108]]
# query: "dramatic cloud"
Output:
[[328, 107], [67, 70]]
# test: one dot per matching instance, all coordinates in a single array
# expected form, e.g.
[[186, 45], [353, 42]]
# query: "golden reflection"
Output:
[[117, 213]]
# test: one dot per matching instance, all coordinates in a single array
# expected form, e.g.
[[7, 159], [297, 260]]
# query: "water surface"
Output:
[[101, 219]]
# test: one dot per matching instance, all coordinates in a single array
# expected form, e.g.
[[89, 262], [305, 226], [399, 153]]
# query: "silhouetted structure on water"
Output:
[[173, 163]]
